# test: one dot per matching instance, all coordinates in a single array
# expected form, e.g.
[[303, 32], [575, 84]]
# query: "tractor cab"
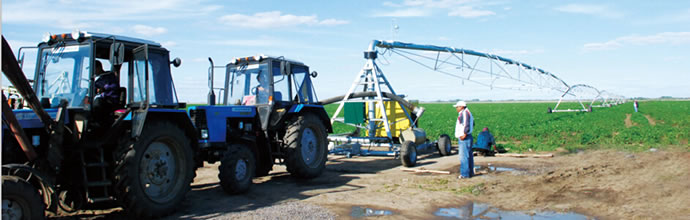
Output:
[[66, 69], [262, 80]]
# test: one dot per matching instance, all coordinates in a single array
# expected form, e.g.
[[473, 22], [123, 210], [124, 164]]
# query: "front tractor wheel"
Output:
[[20, 200], [154, 174], [237, 169], [306, 146]]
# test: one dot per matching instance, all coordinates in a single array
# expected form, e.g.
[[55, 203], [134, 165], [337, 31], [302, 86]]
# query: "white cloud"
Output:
[[276, 19], [261, 41], [169, 44], [502, 52], [148, 30], [469, 12], [660, 38], [409, 12], [96, 14], [590, 9], [391, 4], [423, 8], [436, 3]]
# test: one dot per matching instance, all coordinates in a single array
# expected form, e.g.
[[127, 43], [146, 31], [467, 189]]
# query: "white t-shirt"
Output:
[[464, 124]]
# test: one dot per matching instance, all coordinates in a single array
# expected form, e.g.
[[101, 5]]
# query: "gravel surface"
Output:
[[288, 210]]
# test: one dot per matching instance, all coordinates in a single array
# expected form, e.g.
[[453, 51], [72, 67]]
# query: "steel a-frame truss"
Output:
[[371, 79]]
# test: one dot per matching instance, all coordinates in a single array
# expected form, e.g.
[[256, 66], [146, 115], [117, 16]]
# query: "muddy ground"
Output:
[[595, 184]]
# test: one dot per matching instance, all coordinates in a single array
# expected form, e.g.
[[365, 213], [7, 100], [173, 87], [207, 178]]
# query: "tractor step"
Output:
[[98, 183], [95, 179], [98, 164], [100, 199]]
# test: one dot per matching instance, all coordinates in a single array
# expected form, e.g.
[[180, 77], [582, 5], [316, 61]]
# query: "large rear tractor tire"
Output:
[[20, 200], [237, 169], [444, 145], [154, 174], [307, 147], [408, 154]]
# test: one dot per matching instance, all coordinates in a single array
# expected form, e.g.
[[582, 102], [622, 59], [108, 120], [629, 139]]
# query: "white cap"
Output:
[[460, 103]]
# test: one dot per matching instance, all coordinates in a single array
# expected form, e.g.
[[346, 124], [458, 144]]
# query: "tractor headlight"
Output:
[[76, 35], [46, 37], [204, 133]]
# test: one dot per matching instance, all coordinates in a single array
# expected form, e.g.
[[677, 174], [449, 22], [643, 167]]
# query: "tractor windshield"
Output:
[[250, 84], [63, 74]]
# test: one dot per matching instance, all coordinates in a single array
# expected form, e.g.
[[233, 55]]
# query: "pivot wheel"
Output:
[[154, 174], [444, 145], [20, 200], [408, 154], [237, 169], [306, 146]]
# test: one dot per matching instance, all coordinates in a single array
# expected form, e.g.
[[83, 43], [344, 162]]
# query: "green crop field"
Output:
[[523, 126]]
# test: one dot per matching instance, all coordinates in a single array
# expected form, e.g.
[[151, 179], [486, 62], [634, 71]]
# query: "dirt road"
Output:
[[600, 184]]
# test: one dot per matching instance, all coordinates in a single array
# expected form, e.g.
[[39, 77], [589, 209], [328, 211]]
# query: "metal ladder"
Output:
[[96, 182]]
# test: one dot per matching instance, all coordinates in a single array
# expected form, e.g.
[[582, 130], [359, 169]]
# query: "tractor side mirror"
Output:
[[177, 62], [313, 74], [285, 68], [117, 53]]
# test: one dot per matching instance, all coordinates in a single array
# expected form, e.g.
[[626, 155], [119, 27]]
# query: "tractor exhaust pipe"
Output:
[[211, 94]]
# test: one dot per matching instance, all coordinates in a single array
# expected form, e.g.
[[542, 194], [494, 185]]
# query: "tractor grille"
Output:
[[198, 116]]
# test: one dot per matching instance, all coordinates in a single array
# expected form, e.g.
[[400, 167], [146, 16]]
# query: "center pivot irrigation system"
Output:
[[390, 120]]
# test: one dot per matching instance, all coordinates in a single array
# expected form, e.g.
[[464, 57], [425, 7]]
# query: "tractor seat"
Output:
[[121, 102]]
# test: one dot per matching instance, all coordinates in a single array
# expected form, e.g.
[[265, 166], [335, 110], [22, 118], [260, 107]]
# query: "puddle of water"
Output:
[[361, 212], [484, 211], [499, 169]]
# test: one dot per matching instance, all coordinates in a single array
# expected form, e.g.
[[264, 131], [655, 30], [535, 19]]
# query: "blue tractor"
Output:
[[67, 152], [266, 113]]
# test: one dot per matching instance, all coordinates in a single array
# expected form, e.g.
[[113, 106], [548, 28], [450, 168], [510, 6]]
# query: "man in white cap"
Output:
[[463, 131]]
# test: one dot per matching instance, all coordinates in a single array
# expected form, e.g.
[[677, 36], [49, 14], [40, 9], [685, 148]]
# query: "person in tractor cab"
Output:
[[257, 92], [486, 145], [107, 95]]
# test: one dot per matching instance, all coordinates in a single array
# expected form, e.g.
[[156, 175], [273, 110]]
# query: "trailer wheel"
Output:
[[306, 146], [154, 174], [408, 154], [237, 169], [444, 145], [20, 200]]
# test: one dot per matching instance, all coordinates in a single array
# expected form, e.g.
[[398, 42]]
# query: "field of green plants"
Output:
[[523, 126]]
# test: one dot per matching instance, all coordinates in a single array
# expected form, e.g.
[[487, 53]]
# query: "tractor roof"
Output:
[[96, 36], [259, 58]]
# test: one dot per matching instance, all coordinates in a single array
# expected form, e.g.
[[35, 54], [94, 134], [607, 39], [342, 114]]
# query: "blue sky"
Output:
[[631, 48]]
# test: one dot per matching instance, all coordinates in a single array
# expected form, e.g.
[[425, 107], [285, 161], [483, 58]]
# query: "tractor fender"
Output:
[[318, 110]]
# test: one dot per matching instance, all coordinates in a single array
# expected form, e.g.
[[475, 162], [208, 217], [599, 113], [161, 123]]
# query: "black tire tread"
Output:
[[15, 186], [291, 139], [136, 205], [405, 150], [442, 141], [226, 169]]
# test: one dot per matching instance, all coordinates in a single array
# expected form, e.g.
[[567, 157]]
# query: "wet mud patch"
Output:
[[472, 210], [363, 211]]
